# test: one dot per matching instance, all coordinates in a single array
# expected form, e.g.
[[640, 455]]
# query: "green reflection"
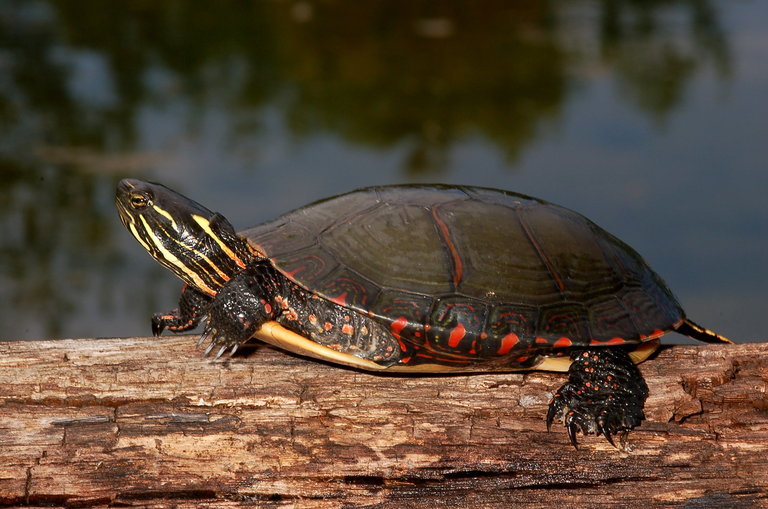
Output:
[[77, 76], [657, 46]]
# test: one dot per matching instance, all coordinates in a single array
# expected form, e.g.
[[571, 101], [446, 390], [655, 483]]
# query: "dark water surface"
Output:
[[649, 117]]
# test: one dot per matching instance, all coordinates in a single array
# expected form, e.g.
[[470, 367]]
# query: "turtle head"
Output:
[[197, 245]]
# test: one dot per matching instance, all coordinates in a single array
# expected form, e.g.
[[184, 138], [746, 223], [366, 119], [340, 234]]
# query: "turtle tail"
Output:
[[696, 331]]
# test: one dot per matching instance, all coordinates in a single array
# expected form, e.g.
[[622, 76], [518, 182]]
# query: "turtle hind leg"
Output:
[[604, 395]]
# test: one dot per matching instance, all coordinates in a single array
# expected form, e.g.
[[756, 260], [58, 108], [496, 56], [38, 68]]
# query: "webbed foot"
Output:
[[604, 395]]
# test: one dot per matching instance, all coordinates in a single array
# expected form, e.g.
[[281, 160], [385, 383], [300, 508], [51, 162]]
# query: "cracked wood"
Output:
[[148, 421]]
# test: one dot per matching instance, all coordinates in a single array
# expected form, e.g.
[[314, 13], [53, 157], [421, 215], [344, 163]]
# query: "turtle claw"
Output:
[[218, 340], [158, 325], [220, 352], [572, 434], [553, 410], [203, 337]]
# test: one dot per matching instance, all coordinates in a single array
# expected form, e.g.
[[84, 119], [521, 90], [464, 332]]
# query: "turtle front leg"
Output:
[[605, 394], [193, 305], [238, 311]]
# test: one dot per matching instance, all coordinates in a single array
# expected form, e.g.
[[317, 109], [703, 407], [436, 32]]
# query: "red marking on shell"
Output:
[[347, 329], [483, 335], [521, 359], [653, 335], [445, 234], [616, 341], [507, 343], [417, 334], [292, 273], [541, 341], [405, 360], [398, 326], [341, 300], [456, 335], [562, 343]]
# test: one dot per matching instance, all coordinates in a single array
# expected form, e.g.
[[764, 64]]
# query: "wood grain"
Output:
[[144, 421]]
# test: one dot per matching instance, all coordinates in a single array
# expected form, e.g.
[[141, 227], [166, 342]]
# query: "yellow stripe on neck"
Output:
[[171, 258], [206, 226]]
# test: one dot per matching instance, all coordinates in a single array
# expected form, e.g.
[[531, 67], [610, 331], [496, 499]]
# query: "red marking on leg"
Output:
[[507, 343], [562, 343], [347, 329], [396, 328], [312, 319], [328, 326], [456, 335]]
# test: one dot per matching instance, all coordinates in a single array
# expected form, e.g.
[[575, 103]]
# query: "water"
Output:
[[648, 117]]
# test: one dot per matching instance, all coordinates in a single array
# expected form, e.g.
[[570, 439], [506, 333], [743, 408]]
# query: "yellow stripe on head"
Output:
[[167, 215]]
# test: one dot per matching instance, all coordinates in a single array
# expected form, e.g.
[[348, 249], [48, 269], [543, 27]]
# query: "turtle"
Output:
[[423, 279]]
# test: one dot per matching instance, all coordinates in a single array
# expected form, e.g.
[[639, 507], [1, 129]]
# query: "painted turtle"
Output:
[[423, 278]]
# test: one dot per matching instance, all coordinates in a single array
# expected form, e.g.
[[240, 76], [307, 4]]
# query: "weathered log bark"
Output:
[[148, 421]]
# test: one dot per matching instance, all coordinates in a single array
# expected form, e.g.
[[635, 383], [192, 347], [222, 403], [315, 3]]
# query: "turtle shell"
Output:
[[470, 273]]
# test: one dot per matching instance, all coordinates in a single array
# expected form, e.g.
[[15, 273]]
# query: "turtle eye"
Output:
[[139, 200]]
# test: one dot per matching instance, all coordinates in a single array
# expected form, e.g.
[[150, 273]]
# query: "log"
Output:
[[145, 421]]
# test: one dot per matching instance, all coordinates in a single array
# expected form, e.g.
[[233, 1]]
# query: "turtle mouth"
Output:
[[122, 196]]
